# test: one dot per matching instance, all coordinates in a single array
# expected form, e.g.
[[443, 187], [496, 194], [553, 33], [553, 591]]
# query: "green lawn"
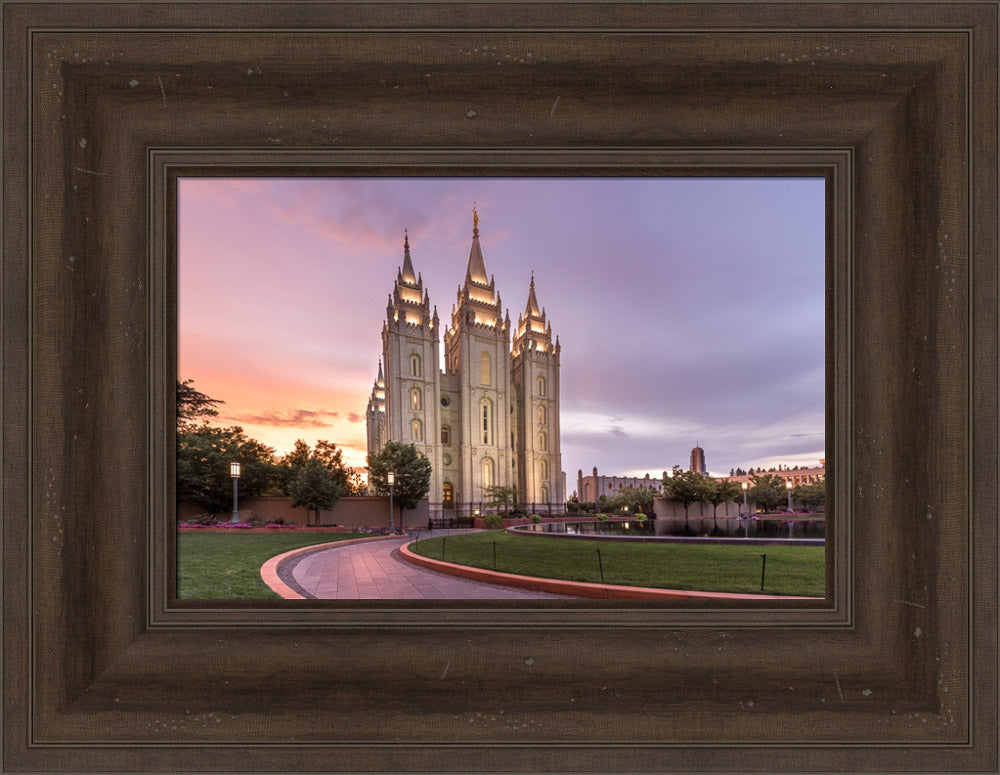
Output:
[[226, 566], [790, 570]]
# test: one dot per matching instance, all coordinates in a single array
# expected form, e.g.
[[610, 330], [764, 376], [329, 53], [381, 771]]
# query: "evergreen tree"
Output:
[[193, 406]]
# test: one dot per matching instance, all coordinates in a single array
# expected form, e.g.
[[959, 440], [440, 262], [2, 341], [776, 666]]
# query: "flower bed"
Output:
[[243, 527]]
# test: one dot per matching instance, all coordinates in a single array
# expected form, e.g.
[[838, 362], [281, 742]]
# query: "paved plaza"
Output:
[[375, 571]]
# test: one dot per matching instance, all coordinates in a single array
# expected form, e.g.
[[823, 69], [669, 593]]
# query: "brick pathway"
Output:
[[375, 571]]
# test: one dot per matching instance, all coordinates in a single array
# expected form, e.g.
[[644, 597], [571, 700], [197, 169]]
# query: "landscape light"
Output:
[[390, 479], [234, 472]]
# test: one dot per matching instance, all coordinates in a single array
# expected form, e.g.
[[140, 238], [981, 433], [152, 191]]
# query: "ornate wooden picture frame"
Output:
[[107, 104]]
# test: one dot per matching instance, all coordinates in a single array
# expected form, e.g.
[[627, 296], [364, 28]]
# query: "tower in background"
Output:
[[698, 461]]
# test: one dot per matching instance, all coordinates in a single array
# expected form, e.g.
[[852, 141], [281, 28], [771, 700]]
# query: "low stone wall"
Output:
[[506, 522], [351, 511]]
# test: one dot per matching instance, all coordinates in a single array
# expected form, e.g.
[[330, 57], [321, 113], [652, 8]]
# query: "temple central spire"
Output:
[[476, 271]]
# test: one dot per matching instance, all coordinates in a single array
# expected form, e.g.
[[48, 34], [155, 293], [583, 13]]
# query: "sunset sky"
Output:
[[689, 310]]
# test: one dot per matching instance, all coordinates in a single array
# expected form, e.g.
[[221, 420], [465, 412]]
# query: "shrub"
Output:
[[535, 518], [602, 517], [492, 520]]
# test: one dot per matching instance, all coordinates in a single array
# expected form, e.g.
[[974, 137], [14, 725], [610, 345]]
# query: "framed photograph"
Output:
[[108, 106], [655, 320]]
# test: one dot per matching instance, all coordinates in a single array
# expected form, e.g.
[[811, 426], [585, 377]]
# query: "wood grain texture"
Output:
[[107, 104]]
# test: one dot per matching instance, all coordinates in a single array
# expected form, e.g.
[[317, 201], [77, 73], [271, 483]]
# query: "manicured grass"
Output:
[[226, 566], [790, 570]]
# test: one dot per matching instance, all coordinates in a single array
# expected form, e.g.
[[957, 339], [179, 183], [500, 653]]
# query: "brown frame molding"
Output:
[[105, 104]]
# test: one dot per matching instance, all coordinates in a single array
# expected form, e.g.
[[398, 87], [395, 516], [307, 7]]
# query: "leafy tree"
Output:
[[685, 487], [719, 491], [412, 469], [204, 453], [315, 487], [810, 495], [638, 499], [768, 490], [500, 499], [326, 454]]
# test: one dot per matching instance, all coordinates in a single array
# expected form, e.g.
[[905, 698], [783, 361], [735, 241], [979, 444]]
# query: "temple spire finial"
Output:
[[406, 273], [475, 220]]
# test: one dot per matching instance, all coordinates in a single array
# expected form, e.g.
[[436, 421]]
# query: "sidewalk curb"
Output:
[[578, 588]]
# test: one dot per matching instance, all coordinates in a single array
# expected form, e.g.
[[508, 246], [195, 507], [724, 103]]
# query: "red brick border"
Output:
[[578, 588]]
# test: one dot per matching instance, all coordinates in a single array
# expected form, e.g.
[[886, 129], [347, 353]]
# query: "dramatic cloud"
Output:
[[295, 418]]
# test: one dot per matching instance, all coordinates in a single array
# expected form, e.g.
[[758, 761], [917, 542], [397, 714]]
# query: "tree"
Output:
[[326, 454], [412, 470], [810, 495], [719, 491], [204, 454], [639, 500], [685, 487], [500, 499], [193, 406], [768, 490], [315, 487]]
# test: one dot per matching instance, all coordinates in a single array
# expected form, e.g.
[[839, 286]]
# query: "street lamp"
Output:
[[234, 472], [746, 509], [788, 486], [390, 479]]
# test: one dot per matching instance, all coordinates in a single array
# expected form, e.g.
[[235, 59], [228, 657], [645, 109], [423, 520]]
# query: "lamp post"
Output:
[[390, 479], [788, 486], [234, 472], [746, 509]]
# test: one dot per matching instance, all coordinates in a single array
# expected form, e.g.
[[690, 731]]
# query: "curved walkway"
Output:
[[373, 570]]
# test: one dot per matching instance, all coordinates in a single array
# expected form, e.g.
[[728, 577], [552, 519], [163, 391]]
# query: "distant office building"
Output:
[[698, 461], [795, 474], [590, 488]]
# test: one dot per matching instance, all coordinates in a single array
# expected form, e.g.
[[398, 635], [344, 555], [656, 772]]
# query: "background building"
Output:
[[698, 461], [492, 416], [590, 488], [795, 474]]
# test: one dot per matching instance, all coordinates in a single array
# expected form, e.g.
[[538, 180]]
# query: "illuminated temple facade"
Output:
[[492, 416]]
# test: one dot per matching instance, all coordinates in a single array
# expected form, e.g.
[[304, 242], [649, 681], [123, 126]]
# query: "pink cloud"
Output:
[[300, 418]]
